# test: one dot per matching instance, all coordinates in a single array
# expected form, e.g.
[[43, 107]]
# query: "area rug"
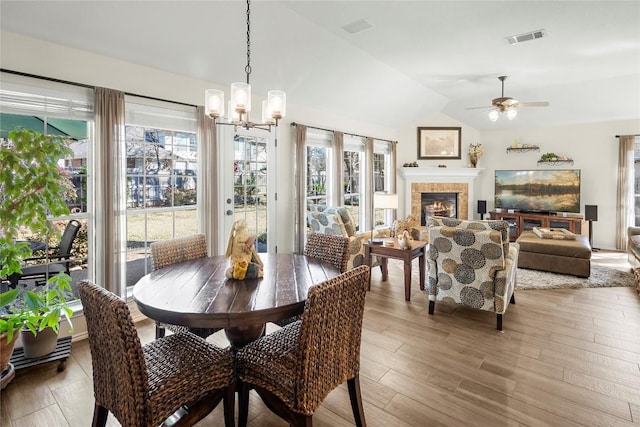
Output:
[[601, 277]]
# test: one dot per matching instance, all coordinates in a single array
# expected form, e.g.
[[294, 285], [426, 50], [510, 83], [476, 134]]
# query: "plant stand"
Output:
[[61, 353], [7, 375]]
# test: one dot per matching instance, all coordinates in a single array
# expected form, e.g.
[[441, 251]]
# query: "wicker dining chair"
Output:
[[329, 248], [325, 247], [294, 368], [168, 252], [145, 385]]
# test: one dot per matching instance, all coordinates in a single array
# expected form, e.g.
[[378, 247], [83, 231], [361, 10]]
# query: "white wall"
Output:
[[42, 58], [594, 150], [593, 147]]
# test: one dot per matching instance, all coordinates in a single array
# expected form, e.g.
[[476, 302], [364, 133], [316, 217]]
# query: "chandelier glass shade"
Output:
[[274, 107]]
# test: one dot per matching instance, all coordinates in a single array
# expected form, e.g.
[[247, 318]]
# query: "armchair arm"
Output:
[[505, 281], [356, 247], [633, 231]]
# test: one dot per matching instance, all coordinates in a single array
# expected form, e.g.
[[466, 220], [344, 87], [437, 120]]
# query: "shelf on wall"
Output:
[[523, 149], [555, 162]]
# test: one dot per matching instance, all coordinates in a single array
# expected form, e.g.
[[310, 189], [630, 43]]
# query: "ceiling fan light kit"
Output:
[[507, 105]]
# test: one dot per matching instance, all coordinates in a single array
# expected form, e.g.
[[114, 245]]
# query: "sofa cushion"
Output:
[[345, 215], [634, 245], [326, 223]]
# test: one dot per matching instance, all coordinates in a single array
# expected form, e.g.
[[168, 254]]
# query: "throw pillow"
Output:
[[321, 222]]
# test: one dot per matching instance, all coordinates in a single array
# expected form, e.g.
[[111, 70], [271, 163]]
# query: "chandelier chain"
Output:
[[247, 69]]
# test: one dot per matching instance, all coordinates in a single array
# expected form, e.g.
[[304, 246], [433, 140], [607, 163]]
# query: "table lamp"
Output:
[[383, 200]]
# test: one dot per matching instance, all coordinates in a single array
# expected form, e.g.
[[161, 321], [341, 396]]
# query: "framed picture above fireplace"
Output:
[[439, 143]]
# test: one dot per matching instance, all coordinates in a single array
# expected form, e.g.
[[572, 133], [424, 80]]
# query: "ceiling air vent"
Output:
[[538, 34], [357, 26]]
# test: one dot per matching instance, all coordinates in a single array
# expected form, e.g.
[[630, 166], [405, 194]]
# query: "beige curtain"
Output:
[[337, 195], [393, 182], [110, 197], [208, 181], [369, 182], [300, 187], [625, 195]]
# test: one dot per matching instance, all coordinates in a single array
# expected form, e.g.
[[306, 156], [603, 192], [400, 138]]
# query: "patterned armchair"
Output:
[[472, 263], [339, 222]]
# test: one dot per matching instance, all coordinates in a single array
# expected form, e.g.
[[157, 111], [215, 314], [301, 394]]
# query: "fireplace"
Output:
[[438, 204], [459, 181]]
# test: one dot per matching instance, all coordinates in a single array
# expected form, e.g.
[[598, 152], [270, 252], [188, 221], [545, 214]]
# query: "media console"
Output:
[[523, 221]]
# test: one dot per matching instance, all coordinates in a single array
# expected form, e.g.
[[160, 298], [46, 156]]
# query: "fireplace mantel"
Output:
[[459, 174], [446, 178]]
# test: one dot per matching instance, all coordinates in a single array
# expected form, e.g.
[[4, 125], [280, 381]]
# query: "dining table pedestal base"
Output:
[[239, 336]]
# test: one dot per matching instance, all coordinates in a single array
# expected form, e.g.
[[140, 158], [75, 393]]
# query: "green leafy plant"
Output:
[[548, 157], [32, 188]]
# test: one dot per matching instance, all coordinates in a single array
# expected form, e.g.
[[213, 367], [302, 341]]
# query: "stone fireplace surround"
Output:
[[439, 180]]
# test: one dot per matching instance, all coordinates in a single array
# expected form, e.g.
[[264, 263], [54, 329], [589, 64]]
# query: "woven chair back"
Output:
[[329, 248], [119, 370], [169, 252], [329, 347]]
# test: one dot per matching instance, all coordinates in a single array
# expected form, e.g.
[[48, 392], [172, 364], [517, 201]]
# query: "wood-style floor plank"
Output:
[[566, 357]]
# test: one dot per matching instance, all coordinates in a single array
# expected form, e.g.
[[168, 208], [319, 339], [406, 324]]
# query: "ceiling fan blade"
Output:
[[478, 108], [533, 104]]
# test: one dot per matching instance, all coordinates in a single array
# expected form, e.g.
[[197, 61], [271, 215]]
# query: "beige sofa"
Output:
[[633, 246]]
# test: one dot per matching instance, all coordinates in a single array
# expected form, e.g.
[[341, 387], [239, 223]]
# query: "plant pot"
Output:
[[6, 349], [35, 346]]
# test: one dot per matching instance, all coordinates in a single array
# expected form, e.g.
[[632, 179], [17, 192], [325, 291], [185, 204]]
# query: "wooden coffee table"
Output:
[[418, 249]]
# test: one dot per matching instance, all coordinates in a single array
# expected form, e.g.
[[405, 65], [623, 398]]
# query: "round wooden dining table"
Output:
[[197, 294]]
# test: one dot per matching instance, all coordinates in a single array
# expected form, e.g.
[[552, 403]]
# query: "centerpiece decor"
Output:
[[475, 152]]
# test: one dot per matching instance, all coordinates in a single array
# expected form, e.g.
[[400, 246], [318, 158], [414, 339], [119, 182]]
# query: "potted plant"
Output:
[[32, 188]]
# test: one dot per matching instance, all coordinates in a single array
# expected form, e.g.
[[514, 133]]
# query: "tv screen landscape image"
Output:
[[538, 190]]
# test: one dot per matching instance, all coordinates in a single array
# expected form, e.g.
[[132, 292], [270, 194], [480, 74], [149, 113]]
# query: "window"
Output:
[[162, 173], [54, 108], [318, 155], [250, 185], [382, 173]]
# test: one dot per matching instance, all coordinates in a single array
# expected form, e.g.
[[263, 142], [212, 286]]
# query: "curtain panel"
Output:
[[625, 199], [110, 197], [207, 181]]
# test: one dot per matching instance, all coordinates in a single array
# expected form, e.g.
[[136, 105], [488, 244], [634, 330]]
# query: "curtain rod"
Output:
[[637, 134], [346, 133], [51, 79]]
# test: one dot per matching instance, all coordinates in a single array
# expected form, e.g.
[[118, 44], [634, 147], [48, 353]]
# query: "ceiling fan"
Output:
[[507, 105]]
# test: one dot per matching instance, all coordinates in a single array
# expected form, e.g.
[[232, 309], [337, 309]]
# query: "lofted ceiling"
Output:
[[417, 59]]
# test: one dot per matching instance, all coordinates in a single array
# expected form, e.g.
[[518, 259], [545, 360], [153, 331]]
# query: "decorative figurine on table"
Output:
[[244, 263], [404, 240]]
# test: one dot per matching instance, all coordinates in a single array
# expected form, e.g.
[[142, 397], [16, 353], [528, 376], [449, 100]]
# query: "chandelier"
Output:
[[273, 108]]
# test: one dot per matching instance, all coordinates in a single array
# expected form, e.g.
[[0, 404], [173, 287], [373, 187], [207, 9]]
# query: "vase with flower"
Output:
[[475, 152]]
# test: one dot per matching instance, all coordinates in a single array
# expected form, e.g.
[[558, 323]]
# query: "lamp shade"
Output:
[[214, 102], [277, 101], [383, 200], [494, 115], [512, 113], [241, 97], [267, 114]]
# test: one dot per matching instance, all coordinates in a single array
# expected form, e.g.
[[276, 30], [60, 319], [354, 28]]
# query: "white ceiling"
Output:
[[418, 59]]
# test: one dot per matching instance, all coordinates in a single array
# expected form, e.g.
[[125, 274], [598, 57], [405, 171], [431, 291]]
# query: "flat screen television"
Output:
[[543, 191]]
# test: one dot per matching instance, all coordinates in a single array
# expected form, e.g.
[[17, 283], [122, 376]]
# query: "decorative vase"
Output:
[[473, 158], [38, 345]]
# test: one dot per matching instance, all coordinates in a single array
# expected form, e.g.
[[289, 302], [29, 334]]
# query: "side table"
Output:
[[418, 249]]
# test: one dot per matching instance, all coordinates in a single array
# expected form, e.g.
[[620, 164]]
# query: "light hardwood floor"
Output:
[[565, 358]]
